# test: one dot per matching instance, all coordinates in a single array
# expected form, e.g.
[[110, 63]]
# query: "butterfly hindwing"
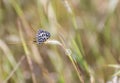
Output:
[[42, 36]]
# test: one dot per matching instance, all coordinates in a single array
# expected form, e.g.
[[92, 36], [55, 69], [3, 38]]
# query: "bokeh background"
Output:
[[84, 46]]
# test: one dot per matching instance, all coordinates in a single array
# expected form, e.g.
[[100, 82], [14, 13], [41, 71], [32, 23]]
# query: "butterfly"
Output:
[[42, 36]]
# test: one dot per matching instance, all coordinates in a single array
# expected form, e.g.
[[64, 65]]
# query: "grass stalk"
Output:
[[26, 52], [14, 70], [68, 53]]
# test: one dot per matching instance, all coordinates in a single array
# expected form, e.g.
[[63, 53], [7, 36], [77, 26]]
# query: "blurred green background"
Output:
[[84, 46]]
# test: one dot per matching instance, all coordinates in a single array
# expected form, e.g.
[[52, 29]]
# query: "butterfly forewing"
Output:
[[42, 36]]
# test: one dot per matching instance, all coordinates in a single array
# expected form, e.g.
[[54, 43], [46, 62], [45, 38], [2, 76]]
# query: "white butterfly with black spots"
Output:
[[42, 36]]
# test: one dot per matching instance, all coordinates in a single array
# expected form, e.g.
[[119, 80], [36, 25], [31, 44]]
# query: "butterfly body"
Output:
[[42, 36]]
